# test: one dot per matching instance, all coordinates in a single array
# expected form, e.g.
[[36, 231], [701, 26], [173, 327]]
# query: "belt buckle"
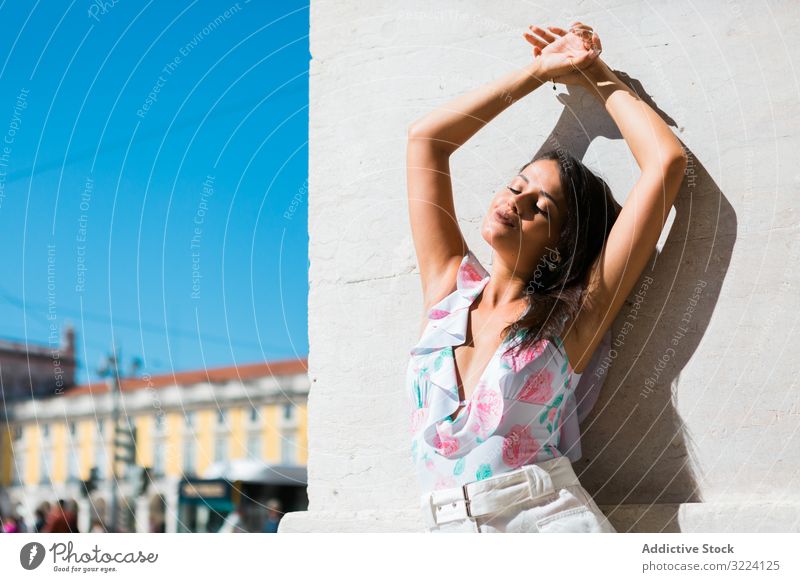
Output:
[[454, 509]]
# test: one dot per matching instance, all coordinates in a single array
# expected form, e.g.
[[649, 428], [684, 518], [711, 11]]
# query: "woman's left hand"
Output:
[[564, 53]]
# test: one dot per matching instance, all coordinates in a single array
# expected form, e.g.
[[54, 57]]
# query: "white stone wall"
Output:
[[703, 423]]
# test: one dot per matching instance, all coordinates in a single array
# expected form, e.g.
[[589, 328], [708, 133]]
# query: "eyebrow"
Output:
[[545, 194]]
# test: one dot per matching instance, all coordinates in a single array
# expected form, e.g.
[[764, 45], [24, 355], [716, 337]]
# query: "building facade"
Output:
[[181, 423], [39, 370]]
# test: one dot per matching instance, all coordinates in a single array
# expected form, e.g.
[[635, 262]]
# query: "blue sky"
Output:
[[153, 165]]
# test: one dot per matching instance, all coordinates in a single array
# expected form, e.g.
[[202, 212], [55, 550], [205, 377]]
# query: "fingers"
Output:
[[596, 43], [540, 37], [534, 40], [580, 26], [584, 31], [540, 32]]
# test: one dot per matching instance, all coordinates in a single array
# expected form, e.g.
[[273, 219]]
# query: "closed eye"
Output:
[[546, 211]]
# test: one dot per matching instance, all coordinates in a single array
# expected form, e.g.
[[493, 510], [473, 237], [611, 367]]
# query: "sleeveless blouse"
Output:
[[522, 410]]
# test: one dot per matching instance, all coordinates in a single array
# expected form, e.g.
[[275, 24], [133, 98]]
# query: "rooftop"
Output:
[[211, 375]]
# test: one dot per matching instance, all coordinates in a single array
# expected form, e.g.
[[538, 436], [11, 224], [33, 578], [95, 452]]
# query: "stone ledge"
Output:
[[350, 522], [666, 518]]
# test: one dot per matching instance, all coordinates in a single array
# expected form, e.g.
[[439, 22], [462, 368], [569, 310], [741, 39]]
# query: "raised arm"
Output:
[[433, 138], [637, 229]]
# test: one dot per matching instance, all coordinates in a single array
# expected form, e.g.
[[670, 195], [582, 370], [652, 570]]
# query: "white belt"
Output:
[[495, 494]]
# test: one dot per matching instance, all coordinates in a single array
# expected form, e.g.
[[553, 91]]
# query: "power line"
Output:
[[133, 324]]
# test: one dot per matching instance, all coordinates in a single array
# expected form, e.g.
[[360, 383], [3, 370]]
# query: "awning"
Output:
[[255, 471]]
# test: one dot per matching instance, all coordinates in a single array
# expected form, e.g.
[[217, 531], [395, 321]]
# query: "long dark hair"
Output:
[[556, 291]]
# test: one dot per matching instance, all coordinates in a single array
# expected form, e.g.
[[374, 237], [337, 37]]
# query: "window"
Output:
[[73, 468], [19, 468], [73, 464], [288, 411], [221, 447], [45, 455], [188, 455], [188, 445], [220, 437], [19, 454], [158, 458], [159, 445], [254, 434], [254, 444], [288, 447], [100, 458]]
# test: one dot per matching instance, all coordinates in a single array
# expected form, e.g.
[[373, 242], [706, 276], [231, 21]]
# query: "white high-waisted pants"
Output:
[[539, 498]]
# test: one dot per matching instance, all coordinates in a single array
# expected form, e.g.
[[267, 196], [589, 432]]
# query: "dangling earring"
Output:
[[553, 264]]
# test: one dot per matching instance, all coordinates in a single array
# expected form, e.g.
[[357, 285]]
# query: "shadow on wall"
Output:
[[637, 454]]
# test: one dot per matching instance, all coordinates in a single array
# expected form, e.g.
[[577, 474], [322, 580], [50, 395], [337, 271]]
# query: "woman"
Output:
[[491, 380]]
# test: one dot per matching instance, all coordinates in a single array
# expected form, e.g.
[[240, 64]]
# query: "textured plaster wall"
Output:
[[697, 425]]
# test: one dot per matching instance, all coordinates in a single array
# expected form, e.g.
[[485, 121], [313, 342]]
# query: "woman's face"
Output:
[[526, 215]]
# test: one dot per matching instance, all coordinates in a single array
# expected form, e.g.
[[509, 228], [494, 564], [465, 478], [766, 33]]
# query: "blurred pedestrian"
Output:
[[158, 525], [63, 518], [274, 515], [41, 516]]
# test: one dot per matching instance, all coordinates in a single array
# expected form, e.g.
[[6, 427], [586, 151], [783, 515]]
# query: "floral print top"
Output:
[[521, 407]]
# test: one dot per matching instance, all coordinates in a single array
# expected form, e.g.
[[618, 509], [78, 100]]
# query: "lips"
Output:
[[507, 220]]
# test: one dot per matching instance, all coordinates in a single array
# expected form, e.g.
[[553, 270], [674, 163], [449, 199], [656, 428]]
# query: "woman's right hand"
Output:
[[588, 77], [562, 53]]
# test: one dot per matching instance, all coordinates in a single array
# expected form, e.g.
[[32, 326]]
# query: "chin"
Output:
[[501, 240]]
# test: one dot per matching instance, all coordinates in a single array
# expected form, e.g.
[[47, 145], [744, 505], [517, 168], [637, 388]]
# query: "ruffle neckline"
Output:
[[447, 320], [446, 329]]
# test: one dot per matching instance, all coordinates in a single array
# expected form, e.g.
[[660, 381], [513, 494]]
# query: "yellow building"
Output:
[[186, 424]]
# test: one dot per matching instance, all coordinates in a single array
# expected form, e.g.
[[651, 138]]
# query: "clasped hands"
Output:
[[569, 56]]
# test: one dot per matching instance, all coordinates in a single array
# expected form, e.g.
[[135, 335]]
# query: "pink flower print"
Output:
[[538, 388], [468, 276], [551, 416], [519, 447], [445, 446], [488, 406], [444, 483], [519, 359], [418, 418], [438, 313]]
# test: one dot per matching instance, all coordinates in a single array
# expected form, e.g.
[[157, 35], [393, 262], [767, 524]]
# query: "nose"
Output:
[[511, 204]]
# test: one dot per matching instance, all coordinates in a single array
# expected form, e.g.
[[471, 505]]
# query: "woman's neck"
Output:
[[506, 286]]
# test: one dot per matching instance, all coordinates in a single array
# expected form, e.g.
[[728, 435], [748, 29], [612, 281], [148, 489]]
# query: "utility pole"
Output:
[[123, 438], [110, 371]]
